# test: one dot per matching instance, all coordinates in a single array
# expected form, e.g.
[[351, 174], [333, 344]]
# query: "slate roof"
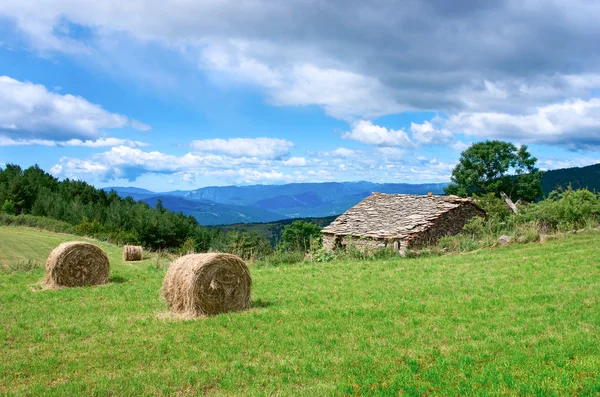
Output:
[[393, 215]]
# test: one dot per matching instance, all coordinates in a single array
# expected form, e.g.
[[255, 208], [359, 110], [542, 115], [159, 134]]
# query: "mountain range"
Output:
[[222, 205], [225, 205]]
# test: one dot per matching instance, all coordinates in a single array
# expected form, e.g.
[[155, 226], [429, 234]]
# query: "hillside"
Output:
[[211, 213], [577, 177], [521, 320], [272, 230]]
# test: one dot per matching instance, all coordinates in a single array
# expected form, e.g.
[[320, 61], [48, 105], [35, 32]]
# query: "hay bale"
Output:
[[206, 284], [75, 264], [133, 253]]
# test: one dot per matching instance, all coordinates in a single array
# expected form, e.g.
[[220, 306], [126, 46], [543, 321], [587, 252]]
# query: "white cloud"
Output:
[[341, 152], [101, 142], [381, 164], [127, 162], [573, 123], [30, 111], [391, 152], [342, 94], [295, 162], [423, 56], [553, 164], [370, 134], [459, 146], [267, 148], [429, 134]]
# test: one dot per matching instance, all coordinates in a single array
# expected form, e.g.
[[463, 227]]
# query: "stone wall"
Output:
[[330, 242], [448, 224]]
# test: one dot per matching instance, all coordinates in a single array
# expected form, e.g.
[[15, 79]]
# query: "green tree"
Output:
[[299, 235], [8, 207], [494, 167]]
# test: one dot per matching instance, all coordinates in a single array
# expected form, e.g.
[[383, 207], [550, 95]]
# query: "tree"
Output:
[[299, 235], [494, 167]]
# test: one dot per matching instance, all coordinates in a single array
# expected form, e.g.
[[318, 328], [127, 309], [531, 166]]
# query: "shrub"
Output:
[[188, 247], [38, 222], [89, 228], [492, 205], [566, 210], [300, 236], [8, 207], [118, 237]]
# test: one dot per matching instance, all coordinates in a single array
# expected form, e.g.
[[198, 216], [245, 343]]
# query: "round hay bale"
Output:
[[133, 253], [206, 284], [75, 264]]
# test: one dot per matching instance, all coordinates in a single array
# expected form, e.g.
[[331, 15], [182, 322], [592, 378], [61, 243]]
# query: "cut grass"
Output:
[[518, 320]]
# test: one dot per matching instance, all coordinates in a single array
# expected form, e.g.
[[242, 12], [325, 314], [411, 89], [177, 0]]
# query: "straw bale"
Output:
[[133, 253], [76, 264], [207, 284]]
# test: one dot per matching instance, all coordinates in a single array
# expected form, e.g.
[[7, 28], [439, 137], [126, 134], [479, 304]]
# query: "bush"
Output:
[[118, 237], [188, 247], [566, 210], [248, 246], [89, 228], [37, 222], [300, 236], [8, 207]]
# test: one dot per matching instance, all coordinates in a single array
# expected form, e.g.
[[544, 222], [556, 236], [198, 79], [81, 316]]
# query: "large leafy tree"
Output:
[[494, 167]]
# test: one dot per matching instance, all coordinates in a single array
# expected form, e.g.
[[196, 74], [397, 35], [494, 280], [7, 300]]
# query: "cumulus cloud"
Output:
[[573, 123], [267, 148], [370, 134], [383, 164], [341, 152], [98, 143], [29, 111], [391, 152], [459, 146], [506, 57], [428, 134], [342, 94], [295, 162], [129, 163]]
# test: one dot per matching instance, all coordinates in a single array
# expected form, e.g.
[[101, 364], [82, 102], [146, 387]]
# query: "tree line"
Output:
[[36, 194]]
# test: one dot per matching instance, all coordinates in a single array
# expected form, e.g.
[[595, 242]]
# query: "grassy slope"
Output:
[[517, 320]]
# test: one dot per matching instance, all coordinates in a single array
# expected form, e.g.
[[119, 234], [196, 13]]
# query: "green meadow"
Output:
[[519, 320]]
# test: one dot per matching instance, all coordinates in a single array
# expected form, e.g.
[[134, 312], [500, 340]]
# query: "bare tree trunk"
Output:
[[509, 202]]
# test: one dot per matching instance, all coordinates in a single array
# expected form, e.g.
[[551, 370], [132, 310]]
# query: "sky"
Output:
[[181, 94]]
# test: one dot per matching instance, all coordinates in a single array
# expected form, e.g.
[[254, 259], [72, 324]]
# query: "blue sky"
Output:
[[179, 95]]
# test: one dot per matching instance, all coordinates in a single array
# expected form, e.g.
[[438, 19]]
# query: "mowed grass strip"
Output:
[[517, 320]]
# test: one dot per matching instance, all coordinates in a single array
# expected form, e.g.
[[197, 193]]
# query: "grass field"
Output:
[[518, 320]]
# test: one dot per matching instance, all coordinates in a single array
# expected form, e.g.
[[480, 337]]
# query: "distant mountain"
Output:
[[135, 193], [211, 213], [221, 205], [134, 190], [266, 203], [327, 192], [302, 200], [578, 177]]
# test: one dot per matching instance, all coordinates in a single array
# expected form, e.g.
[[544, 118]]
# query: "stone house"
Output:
[[400, 221]]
